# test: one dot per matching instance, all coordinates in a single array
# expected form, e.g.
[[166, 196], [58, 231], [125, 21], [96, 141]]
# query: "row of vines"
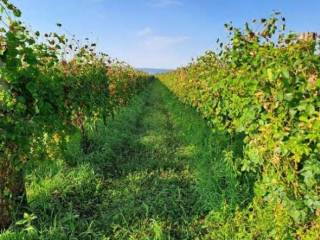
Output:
[[263, 85], [50, 87]]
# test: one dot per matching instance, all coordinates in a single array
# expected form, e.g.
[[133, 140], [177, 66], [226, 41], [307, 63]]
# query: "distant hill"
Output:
[[154, 70]]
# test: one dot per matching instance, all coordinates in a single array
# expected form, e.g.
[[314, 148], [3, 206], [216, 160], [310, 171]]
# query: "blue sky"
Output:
[[160, 33]]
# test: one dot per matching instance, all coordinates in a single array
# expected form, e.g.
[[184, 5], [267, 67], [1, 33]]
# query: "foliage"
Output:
[[50, 89], [264, 84]]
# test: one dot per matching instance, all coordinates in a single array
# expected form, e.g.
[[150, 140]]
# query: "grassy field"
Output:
[[155, 172]]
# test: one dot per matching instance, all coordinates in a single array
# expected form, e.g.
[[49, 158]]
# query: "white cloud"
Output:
[[155, 50], [165, 3], [144, 32], [152, 49], [168, 58], [163, 42], [150, 40]]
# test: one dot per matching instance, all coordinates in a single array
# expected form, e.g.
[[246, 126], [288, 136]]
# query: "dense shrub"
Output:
[[264, 84], [49, 89]]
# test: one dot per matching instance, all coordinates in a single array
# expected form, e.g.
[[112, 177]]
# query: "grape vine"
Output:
[[51, 87], [264, 84]]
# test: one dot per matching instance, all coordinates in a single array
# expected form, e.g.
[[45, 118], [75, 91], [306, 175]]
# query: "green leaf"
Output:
[[285, 74]]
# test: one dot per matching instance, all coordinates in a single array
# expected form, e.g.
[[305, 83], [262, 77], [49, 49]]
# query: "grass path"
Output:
[[154, 197], [155, 172]]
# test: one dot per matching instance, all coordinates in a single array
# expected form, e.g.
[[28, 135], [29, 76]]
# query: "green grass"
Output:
[[155, 172]]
